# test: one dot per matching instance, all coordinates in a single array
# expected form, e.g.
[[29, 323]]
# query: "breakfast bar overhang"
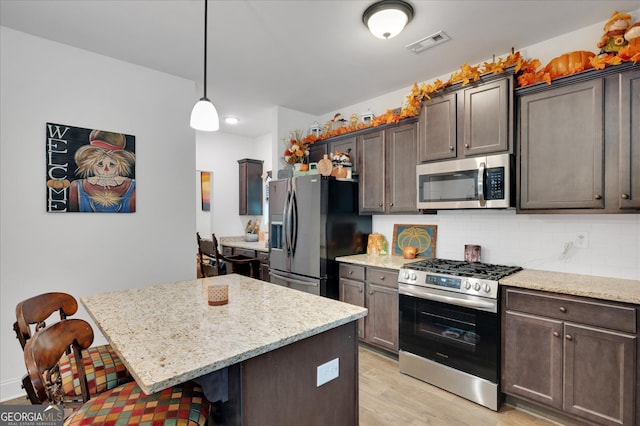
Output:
[[269, 341]]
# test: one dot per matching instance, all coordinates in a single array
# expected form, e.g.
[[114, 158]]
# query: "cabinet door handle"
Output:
[[451, 148], [380, 205], [556, 334], [359, 290], [569, 337], [390, 204], [350, 272], [625, 196], [563, 309], [598, 197], [370, 292], [466, 145], [381, 277]]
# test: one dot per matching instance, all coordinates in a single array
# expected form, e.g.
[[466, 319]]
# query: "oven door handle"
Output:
[[476, 304]]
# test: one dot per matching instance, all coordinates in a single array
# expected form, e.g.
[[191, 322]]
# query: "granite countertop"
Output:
[[615, 289], [239, 242], [605, 288], [387, 261], [167, 334]]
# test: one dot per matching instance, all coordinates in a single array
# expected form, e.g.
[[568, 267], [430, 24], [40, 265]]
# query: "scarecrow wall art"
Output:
[[90, 170]]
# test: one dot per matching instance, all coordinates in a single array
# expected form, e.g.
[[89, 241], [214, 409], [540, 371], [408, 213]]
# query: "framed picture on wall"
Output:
[[89, 170], [422, 237], [205, 190]]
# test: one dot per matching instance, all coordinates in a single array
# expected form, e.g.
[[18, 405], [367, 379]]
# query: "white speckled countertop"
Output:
[[239, 242], [390, 262], [616, 289], [167, 334], [605, 288]]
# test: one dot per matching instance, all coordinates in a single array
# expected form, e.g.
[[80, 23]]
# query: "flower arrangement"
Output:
[[298, 150]]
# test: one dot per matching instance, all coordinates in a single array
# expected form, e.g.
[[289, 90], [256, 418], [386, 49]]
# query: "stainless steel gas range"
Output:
[[450, 326]]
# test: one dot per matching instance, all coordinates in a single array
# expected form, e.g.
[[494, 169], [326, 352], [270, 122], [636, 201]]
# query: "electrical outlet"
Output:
[[582, 240], [327, 372]]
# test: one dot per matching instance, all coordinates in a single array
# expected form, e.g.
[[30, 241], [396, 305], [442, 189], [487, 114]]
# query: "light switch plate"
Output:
[[327, 372]]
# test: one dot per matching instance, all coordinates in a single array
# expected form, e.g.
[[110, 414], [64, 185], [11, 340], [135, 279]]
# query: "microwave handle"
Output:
[[481, 184]]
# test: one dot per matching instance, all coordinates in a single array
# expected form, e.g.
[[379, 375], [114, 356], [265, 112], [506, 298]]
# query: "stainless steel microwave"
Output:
[[467, 183]]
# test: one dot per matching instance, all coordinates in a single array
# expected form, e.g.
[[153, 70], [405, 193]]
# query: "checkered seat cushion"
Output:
[[183, 404], [103, 367]]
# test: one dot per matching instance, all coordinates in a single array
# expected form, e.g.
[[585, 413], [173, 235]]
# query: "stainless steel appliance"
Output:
[[312, 220], [449, 332], [467, 183]]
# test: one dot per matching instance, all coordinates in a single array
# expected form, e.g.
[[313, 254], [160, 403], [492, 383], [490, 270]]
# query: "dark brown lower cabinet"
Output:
[[377, 290], [572, 354]]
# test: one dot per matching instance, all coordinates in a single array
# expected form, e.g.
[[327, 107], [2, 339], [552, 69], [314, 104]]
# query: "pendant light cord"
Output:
[[205, 48]]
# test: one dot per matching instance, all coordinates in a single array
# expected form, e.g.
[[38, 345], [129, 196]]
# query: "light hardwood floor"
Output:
[[390, 398]]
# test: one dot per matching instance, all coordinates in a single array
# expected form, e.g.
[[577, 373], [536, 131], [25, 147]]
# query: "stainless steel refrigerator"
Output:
[[312, 220]]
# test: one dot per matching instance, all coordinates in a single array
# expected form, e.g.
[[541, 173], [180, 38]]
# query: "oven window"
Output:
[[455, 186], [463, 338]]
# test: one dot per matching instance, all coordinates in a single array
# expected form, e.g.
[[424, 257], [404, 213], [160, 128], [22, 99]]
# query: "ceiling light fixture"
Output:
[[204, 115], [386, 18]]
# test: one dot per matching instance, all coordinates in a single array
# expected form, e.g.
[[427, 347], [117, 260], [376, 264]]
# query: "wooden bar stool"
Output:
[[183, 404]]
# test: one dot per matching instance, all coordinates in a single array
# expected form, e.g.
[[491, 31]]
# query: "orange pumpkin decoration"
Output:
[[633, 35], [569, 63]]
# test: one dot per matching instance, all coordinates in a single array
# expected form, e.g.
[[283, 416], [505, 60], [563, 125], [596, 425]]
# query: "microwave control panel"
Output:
[[494, 189]]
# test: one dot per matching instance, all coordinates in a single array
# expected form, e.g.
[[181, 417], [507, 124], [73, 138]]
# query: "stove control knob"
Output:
[[487, 288], [414, 276], [477, 287], [467, 285], [405, 275]]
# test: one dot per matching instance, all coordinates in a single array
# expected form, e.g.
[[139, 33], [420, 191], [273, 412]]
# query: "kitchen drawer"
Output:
[[353, 272], [384, 277], [227, 251], [244, 252], [263, 257], [575, 309]]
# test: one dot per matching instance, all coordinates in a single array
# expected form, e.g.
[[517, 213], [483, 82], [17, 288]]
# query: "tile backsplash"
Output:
[[610, 244]]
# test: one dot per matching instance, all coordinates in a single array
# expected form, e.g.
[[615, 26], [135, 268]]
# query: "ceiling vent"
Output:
[[428, 42]]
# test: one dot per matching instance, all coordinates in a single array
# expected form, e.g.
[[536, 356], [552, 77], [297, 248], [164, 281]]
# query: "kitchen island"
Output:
[[269, 341]]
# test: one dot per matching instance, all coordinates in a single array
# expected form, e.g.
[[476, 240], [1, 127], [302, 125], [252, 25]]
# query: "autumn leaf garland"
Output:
[[528, 72]]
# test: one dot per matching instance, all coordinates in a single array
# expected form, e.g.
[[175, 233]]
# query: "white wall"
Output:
[[83, 253], [219, 153], [535, 241]]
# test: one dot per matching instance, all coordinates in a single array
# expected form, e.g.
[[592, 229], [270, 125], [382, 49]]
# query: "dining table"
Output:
[[262, 355]]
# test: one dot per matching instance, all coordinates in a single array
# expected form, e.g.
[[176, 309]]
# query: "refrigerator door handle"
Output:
[[294, 219], [286, 220], [293, 280]]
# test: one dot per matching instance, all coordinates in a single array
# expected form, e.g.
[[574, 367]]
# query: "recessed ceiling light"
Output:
[[231, 120]]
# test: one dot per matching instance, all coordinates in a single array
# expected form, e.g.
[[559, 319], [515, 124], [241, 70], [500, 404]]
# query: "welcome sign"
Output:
[[89, 170]]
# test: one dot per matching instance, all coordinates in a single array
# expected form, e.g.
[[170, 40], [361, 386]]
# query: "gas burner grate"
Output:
[[463, 269]]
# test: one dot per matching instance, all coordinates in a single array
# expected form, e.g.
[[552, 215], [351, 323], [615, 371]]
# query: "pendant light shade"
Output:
[[386, 18], [204, 115]]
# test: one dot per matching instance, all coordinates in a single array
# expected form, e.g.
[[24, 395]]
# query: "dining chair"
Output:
[[212, 262], [183, 404], [207, 258], [102, 365], [243, 265]]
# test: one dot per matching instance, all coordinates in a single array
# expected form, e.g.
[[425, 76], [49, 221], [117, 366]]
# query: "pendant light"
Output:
[[204, 115], [386, 18]]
